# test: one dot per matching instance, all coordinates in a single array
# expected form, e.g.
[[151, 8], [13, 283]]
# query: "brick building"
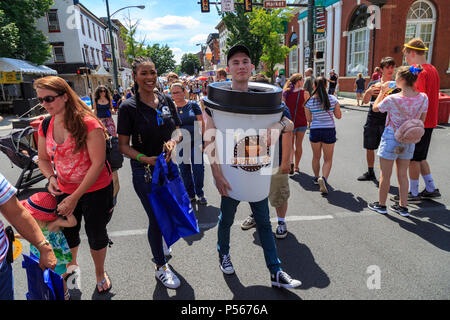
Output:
[[349, 41]]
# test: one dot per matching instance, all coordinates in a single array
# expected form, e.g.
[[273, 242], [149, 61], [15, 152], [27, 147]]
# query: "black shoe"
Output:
[[225, 264], [400, 210], [292, 169], [283, 280], [367, 177], [411, 198], [281, 231], [430, 195], [375, 206]]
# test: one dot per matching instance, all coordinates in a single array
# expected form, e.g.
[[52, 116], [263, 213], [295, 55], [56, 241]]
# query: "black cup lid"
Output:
[[261, 98]]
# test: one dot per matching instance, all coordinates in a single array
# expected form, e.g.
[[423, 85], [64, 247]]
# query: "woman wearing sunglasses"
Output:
[[72, 158], [103, 109]]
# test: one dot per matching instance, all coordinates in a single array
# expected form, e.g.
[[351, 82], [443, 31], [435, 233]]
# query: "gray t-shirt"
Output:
[[308, 85]]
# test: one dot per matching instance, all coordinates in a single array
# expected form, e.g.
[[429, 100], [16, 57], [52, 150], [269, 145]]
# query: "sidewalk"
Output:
[[349, 102]]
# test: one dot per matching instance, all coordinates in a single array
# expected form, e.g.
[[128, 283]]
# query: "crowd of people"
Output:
[[157, 117]]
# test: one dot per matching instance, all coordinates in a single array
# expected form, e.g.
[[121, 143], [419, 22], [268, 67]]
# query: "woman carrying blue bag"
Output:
[[147, 120]]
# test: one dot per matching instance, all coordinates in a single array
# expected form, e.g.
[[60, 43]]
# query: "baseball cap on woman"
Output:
[[42, 206]]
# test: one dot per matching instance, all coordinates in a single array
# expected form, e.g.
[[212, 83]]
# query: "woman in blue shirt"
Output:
[[103, 108], [191, 166]]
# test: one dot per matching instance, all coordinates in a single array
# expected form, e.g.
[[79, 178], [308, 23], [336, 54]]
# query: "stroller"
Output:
[[21, 149]]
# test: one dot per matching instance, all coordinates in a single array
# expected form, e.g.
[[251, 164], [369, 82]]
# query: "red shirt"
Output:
[[291, 102], [428, 82], [71, 168]]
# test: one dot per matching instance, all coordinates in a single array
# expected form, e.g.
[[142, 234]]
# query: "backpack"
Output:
[[412, 130], [114, 159]]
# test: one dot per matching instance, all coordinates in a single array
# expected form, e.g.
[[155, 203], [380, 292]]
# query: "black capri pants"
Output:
[[96, 208]]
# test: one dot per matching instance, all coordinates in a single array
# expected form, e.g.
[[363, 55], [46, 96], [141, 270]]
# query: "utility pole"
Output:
[[311, 4], [111, 40]]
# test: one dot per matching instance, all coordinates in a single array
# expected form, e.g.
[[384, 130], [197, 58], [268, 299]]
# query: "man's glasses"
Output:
[[49, 99]]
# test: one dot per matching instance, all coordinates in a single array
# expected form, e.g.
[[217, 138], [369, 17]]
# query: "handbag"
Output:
[[170, 203], [42, 285]]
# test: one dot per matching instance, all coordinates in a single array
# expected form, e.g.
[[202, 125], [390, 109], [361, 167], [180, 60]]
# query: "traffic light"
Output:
[[205, 5], [248, 6], [83, 70]]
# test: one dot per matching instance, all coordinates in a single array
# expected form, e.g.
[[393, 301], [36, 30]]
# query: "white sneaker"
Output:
[[167, 250], [167, 277]]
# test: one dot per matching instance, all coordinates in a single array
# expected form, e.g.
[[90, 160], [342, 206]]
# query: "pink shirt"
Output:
[[411, 108], [71, 168]]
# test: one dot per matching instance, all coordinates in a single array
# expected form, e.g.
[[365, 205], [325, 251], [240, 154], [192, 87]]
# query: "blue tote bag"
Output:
[[170, 203], [42, 285]]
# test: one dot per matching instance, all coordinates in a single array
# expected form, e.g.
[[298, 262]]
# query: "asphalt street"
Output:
[[336, 246]]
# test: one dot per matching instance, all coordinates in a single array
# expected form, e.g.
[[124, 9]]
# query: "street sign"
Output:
[[227, 5], [10, 77], [319, 20], [307, 51], [205, 5], [270, 4]]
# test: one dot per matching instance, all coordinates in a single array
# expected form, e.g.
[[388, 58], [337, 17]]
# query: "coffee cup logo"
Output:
[[251, 154]]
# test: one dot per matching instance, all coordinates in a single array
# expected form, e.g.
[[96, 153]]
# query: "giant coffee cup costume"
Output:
[[148, 120], [240, 105]]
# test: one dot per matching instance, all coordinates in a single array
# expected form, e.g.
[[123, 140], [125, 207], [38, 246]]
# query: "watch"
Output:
[[42, 243]]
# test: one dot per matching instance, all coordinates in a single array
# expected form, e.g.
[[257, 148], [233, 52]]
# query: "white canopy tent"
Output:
[[15, 65]]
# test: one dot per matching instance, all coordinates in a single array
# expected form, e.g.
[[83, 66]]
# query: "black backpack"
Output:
[[114, 159]]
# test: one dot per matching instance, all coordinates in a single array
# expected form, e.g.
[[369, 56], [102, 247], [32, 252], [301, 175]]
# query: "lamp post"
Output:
[[115, 73]]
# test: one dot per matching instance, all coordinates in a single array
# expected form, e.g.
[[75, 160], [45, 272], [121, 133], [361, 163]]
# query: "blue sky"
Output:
[[178, 23]]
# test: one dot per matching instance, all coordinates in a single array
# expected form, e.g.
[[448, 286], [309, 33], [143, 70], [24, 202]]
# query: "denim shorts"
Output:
[[359, 90], [388, 145], [324, 135], [300, 129]]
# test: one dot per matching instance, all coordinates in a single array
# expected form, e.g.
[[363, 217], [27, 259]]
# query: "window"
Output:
[[93, 57], [420, 23], [319, 46], [58, 54], [86, 55], [82, 24], [93, 31], [53, 22], [98, 57], [358, 43], [89, 28], [99, 35]]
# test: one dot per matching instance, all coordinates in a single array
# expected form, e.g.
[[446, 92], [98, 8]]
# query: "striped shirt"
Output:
[[320, 117], [7, 191]]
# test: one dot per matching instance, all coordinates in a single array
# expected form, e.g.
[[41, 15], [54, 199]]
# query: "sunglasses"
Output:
[[49, 99], [101, 90]]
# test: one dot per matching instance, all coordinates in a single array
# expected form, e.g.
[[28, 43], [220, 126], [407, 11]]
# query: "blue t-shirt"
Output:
[[321, 118], [188, 116]]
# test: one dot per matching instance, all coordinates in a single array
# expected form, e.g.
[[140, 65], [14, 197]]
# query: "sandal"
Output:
[[100, 284]]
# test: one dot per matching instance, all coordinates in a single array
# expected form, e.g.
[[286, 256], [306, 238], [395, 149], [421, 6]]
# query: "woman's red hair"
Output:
[[75, 110]]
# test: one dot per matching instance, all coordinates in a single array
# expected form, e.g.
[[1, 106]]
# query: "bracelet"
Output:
[[53, 175], [140, 155], [42, 243]]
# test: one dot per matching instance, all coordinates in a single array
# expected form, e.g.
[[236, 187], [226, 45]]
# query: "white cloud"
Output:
[[178, 53], [169, 23], [200, 38]]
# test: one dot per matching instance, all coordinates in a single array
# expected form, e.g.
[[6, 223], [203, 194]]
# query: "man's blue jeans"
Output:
[[228, 207], [193, 174], [6, 281], [142, 189]]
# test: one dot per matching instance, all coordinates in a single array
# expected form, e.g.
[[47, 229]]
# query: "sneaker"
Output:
[[225, 264], [315, 180], [248, 223], [192, 199], [167, 277], [400, 210], [281, 232], [411, 198], [292, 169], [323, 185], [367, 177], [202, 201], [283, 280], [375, 206], [430, 195]]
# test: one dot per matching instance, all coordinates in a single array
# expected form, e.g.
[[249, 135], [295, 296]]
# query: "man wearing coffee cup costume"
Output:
[[240, 68]]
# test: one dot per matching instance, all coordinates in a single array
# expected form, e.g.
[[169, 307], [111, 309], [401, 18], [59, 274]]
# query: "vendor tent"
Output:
[[15, 65]]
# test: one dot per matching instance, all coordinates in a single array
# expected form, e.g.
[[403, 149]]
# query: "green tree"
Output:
[[239, 31], [190, 63], [163, 57], [269, 26], [134, 48], [19, 38]]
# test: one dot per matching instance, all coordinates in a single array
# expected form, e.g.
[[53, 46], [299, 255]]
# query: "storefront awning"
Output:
[[15, 65]]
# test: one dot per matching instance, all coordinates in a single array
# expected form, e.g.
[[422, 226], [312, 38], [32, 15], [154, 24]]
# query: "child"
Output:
[[42, 206], [408, 104]]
